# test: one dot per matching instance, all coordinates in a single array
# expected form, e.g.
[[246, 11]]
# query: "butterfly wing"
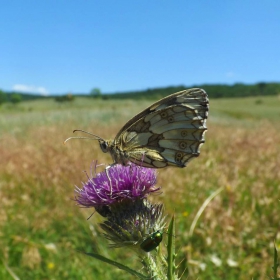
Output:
[[168, 133]]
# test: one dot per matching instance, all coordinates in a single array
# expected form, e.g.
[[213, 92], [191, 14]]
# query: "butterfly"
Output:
[[167, 133]]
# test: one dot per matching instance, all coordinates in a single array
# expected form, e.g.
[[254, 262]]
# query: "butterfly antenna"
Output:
[[94, 137]]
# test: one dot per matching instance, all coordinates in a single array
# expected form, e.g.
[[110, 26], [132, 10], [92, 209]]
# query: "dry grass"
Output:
[[40, 226]]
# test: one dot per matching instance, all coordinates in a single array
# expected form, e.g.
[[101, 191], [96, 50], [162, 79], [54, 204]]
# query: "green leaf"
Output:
[[171, 250], [118, 265], [275, 264]]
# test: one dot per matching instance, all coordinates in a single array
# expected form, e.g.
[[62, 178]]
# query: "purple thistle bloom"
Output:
[[116, 184]]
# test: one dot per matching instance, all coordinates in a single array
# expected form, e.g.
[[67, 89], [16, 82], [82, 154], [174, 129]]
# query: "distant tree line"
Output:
[[242, 90], [213, 90], [12, 97]]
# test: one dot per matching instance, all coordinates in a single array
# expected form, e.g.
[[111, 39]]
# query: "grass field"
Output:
[[41, 228]]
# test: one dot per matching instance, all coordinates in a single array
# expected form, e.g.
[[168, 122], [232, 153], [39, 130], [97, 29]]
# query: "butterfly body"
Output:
[[168, 133]]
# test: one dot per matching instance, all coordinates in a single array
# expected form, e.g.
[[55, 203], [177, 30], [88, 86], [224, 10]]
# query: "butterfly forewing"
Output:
[[169, 132]]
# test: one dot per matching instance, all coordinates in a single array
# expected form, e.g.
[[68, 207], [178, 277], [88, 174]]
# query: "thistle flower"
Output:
[[116, 184], [119, 194], [130, 223]]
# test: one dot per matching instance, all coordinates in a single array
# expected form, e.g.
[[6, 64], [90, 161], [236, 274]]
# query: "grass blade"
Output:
[[202, 208]]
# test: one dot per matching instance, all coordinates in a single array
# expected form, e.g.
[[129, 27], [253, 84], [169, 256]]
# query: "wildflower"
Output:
[[119, 194], [232, 263], [185, 214], [51, 247], [51, 265], [115, 184], [202, 266], [215, 260]]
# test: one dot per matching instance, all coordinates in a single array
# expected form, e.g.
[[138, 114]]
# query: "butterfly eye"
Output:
[[103, 146]]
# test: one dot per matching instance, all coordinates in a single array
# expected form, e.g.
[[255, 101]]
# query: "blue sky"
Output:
[[64, 46]]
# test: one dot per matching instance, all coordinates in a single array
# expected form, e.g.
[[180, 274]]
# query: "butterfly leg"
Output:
[[110, 181], [109, 178], [143, 158]]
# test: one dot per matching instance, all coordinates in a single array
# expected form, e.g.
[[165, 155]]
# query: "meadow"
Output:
[[42, 230]]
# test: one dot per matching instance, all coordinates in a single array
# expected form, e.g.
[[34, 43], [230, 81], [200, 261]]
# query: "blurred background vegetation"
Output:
[[214, 91], [42, 231]]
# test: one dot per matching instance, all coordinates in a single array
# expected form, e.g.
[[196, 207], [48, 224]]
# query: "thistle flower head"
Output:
[[115, 184], [119, 194], [130, 223]]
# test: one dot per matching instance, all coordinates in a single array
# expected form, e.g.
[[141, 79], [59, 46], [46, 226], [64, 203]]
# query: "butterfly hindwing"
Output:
[[169, 132]]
